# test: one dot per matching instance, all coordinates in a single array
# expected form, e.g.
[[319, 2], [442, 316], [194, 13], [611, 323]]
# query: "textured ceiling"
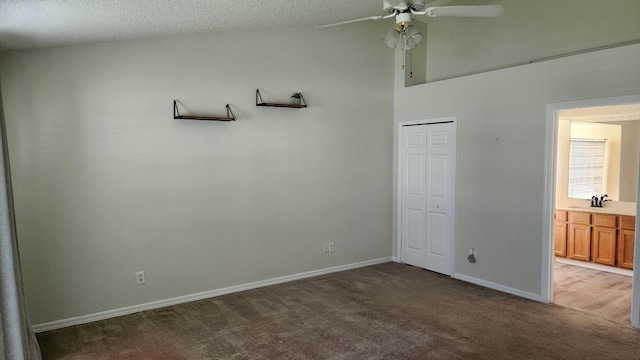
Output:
[[39, 23], [36, 23]]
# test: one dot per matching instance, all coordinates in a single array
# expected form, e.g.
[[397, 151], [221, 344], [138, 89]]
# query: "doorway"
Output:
[[426, 193], [593, 257]]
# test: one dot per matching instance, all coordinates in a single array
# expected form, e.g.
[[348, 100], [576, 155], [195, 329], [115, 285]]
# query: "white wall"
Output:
[[107, 183], [529, 30], [501, 135]]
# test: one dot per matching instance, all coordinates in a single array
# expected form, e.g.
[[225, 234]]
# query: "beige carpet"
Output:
[[387, 311]]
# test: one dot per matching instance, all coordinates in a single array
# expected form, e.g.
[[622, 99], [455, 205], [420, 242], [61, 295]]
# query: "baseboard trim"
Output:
[[498, 287], [396, 259], [58, 324]]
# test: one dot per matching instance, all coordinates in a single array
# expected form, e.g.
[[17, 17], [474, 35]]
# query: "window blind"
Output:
[[586, 167]]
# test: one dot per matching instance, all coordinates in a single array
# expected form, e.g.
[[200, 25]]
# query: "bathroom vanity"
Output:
[[595, 235]]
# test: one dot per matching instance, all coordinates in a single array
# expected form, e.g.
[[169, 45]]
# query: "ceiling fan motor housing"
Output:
[[402, 5], [417, 5]]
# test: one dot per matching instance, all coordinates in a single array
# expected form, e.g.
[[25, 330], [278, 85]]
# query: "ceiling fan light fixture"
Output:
[[412, 37], [404, 45], [391, 38]]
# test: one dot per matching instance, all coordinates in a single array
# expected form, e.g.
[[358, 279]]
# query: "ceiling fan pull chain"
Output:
[[404, 58], [411, 65]]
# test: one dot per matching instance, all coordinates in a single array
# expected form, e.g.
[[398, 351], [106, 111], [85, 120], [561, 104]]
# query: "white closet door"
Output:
[[413, 188], [427, 196]]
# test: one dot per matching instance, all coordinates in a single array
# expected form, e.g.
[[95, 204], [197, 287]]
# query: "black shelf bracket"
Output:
[[260, 102], [176, 115]]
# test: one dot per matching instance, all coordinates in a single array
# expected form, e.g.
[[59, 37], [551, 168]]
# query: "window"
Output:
[[586, 167]]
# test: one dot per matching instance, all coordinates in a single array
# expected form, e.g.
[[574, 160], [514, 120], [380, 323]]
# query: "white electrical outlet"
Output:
[[325, 248], [331, 247], [140, 278]]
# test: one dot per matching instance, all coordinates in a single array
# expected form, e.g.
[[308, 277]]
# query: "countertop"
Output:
[[604, 210]]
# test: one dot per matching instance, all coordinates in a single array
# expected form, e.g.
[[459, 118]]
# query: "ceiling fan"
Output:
[[408, 35]]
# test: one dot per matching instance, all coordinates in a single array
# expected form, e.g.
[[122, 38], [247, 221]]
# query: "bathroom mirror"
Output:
[[603, 159]]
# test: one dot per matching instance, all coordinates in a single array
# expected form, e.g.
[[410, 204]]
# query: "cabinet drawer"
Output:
[[628, 222], [604, 220], [561, 215], [579, 218]]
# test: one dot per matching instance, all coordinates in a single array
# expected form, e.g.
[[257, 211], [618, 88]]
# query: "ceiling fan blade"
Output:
[[464, 11], [350, 21]]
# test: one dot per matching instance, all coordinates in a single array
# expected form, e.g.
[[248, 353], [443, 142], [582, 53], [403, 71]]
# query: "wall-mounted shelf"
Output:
[[176, 115], [259, 102]]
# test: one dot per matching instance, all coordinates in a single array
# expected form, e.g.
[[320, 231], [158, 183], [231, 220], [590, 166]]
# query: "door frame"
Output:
[[549, 199], [448, 119]]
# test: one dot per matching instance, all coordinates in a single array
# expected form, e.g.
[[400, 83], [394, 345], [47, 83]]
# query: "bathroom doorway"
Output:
[[591, 250]]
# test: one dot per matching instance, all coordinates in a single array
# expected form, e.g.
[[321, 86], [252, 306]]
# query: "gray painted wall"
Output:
[[500, 152], [107, 183]]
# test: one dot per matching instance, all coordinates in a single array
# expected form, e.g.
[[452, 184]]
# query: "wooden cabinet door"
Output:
[[625, 248], [627, 222], [579, 244], [560, 239], [604, 245]]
